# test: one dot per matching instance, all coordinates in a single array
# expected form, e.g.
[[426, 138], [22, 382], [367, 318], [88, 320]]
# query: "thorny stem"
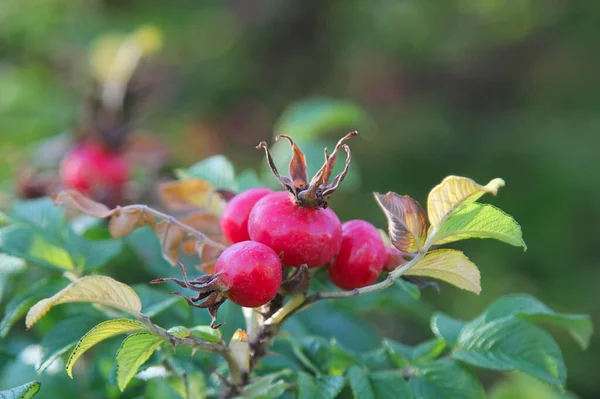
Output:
[[189, 229]]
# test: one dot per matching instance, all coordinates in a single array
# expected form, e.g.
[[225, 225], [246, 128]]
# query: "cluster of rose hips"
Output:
[[296, 228]]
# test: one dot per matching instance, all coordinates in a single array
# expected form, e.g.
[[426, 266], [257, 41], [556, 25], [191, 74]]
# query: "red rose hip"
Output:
[[89, 168], [234, 220], [304, 235], [250, 273], [361, 258]]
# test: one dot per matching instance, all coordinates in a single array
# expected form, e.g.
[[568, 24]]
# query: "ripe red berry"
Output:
[[89, 168], [394, 259], [361, 257], [304, 235], [250, 273], [234, 220]]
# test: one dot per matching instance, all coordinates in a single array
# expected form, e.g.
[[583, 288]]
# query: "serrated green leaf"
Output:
[[529, 308], [446, 327], [207, 333], [377, 359], [270, 386], [522, 386], [377, 385], [402, 354], [444, 379], [63, 336], [135, 350], [321, 387], [341, 358], [451, 266], [308, 119], [99, 333], [24, 391], [217, 170], [41, 214], [89, 254], [360, 384], [480, 221], [507, 344], [389, 385]]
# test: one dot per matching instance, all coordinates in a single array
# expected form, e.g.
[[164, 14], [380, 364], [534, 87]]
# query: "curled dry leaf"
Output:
[[191, 194], [171, 237], [75, 200], [127, 219], [453, 193], [204, 221], [101, 290], [407, 226]]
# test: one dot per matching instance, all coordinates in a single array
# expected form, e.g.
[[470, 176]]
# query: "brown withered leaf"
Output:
[[127, 219], [407, 226], [191, 193], [171, 237], [208, 268], [204, 221], [208, 253], [297, 166], [189, 246], [75, 200]]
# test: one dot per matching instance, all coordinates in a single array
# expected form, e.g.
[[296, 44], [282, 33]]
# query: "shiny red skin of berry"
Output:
[[234, 220], [361, 258], [250, 273], [304, 235], [88, 167], [394, 259]]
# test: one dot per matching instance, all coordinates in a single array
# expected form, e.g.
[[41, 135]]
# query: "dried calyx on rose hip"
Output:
[[247, 273], [298, 224]]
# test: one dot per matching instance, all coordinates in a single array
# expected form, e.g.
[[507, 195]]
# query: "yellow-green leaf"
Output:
[[451, 266], [453, 193], [180, 331], [240, 349], [102, 331], [407, 226], [480, 221], [25, 391], [100, 290], [135, 350]]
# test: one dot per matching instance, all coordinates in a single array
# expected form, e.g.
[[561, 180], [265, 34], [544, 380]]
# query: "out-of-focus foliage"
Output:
[[480, 88]]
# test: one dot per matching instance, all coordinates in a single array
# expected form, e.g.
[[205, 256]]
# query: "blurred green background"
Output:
[[478, 88]]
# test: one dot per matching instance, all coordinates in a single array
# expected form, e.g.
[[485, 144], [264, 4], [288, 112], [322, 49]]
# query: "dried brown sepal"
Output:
[[75, 200], [407, 226], [297, 166], [125, 220], [316, 193], [209, 289], [298, 281], [225, 194], [171, 237]]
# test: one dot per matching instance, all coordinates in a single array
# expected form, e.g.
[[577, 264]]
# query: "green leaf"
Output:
[[217, 170], [92, 254], [267, 387], [402, 354], [10, 264], [20, 304], [389, 385], [321, 387], [41, 214], [154, 301], [451, 266], [207, 333], [360, 384], [377, 385], [28, 243], [24, 391], [341, 358], [411, 289], [62, 337], [446, 327], [480, 221], [248, 179], [507, 344], [99, 333], [522, 386], [377, 359], [445, 379], [135, 350], [529, 308], [308, 119], [313, 352]]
